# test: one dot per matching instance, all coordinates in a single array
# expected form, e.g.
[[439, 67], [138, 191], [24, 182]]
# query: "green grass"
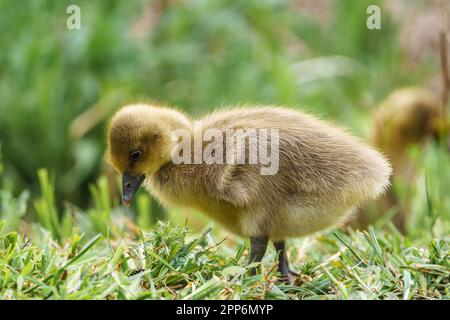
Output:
[[103, 254], [171, 263]]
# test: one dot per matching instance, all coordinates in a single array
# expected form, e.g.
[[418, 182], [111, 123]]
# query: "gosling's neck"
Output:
[[170, 123]]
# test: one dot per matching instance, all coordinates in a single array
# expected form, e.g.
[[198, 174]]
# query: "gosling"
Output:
[[408, 117], [323, 172]]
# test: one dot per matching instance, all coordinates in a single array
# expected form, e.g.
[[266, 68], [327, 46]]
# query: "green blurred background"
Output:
[[59, 86]]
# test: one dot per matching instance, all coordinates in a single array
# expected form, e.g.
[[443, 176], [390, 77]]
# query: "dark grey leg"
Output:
[[258, 246], [283, 262]]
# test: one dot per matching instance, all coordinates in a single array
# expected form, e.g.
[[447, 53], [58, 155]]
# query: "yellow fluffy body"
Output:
[[324, 172]]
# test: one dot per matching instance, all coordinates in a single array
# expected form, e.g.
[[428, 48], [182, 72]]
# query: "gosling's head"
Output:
[[408, 116], [139, 143]]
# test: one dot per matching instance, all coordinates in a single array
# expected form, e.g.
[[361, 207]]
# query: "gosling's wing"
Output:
[[242, 184], [228, 180]]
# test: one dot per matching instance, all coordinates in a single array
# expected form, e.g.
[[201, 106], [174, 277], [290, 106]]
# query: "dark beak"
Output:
[[130, 186]]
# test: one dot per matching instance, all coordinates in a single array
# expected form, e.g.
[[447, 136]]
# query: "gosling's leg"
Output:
[[283, 262], [258, 246]]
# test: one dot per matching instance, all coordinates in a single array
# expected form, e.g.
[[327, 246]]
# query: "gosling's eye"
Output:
[[136, 155]]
